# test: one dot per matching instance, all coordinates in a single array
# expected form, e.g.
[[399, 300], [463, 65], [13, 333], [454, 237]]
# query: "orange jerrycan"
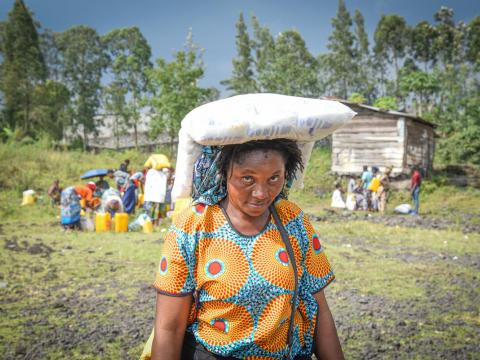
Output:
[[121, 222], [102, 222]]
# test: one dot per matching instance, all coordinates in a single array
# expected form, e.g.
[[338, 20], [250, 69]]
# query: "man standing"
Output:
[[415, 184], [155, 191], [384, 189], [366, 178]]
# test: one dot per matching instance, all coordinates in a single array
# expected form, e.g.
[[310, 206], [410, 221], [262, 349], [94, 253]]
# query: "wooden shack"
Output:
[[382, 138]]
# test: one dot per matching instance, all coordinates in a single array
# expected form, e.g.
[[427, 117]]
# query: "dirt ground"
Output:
[[382, 328]]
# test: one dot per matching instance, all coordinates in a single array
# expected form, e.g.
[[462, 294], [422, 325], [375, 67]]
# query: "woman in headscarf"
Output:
[[242, 272], [72, 200], [111, 202]]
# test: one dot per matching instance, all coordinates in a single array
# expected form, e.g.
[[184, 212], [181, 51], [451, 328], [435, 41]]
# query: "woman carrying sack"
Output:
[[242, 271]]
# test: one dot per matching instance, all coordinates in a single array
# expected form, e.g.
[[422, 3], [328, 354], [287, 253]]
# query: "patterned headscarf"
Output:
[[209, 185]]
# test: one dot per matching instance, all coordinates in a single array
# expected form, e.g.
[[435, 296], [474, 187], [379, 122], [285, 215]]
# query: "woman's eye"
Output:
[[247, 179], [274, 178]]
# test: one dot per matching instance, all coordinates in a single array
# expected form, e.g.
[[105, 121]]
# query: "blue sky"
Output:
[[165, 23]]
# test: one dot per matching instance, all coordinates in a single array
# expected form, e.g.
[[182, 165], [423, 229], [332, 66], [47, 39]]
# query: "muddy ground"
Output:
[[383, 328]]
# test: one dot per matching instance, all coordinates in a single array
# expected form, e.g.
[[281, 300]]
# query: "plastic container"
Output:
[[140, 200], [121, 222], [148, 226], [87, 223], [102, 222], [29, 197]]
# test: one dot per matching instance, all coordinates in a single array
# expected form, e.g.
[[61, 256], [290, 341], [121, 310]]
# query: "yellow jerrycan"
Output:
[[102, 222], [121, 222]]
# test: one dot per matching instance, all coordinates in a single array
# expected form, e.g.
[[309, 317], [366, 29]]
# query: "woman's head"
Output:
[[255, 172]]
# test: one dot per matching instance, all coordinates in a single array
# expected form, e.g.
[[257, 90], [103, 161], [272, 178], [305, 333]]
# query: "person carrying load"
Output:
[[242, 271]]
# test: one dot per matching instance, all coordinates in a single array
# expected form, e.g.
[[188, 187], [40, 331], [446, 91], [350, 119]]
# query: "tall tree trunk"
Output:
[[395, 61], [117, 135]]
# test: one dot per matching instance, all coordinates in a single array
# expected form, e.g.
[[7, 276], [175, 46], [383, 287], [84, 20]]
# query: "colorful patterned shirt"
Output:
[[245, 283]]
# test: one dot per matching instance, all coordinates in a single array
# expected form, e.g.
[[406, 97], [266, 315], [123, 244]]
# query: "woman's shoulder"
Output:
[[288, 210], [196, 217]]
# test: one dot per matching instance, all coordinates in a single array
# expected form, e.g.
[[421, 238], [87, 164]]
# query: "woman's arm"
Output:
[[327, 344], [170, 323]]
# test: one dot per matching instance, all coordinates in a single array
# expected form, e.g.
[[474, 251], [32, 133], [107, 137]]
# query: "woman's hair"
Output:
[[236, 153]]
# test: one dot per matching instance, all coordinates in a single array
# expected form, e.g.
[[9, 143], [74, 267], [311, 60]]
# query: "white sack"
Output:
[[403, 209], [243, 118]]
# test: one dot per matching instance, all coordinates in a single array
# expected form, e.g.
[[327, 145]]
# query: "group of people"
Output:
[[371, 190], [149, 189]]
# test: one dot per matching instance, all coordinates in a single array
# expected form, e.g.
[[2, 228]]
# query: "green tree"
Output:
[[391, 37], [422, 85], [364, 79], [357, 98], [116, 107], [175, 90], [473, 41], [340, 60], [386, 102], [84, 59], [294, 68], [446, 43], [242, 80], [23, 68], [422, 43], [51, 54], [263, 45], [50, 109], [129, 55]]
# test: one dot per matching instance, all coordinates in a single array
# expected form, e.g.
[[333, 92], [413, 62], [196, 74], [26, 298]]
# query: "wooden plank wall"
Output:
[[370, 139], [420, 146]]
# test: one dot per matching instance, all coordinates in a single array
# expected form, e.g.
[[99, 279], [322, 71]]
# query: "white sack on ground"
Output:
[[243, 118]]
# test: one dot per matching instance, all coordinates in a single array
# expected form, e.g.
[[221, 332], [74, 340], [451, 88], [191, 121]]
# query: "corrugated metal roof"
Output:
[[384, 111]]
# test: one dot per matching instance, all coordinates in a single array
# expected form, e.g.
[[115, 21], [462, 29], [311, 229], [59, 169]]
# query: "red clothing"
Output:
[[416, 179]]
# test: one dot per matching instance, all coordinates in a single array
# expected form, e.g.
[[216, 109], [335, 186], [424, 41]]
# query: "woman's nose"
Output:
[[260, 192]]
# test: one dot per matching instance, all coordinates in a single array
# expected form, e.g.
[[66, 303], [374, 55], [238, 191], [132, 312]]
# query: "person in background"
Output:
[[111, 202], [155, 191], [337, 198], [102, 185], [121, 179], [130, 195], [86, 195], [373, 188], [124, 165], [416, 182], [55, 191], [366, 178], [351, 202], [384, 189], [73, 199], [168, 194]]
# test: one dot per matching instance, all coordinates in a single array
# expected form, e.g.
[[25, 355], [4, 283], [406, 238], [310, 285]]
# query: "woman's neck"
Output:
[[244, 223]]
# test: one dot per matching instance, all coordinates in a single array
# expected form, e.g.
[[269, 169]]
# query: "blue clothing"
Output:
[[416, 199], [70, 206], [129, 199], [367, 177]]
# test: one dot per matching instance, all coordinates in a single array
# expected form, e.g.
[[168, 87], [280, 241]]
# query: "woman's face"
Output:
[[255, 183]]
